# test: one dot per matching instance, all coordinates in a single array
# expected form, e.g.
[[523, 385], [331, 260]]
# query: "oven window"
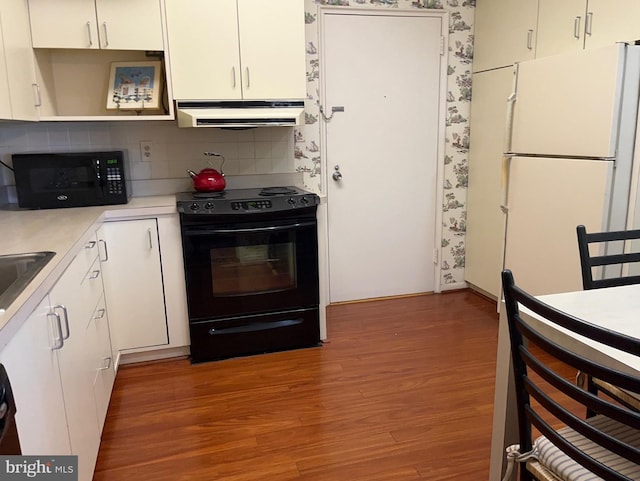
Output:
[[253, 268]]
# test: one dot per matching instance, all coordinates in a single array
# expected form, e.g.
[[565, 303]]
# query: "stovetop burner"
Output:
[[270, 191], [209, 195]]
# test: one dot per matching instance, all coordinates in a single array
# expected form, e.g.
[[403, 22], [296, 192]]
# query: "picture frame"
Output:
[[134, 85]]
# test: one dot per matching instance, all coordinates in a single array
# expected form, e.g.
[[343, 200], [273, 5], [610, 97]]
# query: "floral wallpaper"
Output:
[[307, 138]]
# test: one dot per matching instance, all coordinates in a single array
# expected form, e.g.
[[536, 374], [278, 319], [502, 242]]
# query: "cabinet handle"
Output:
[[106, 34], [233, 77], [100, 313], [108, 366], [106, 252], [588, 23], [576, 26], [248, 77], [150, 239], [36, 90], [89, 34], [530, 39], [94, 274], [58, 340], [66, 320], [90, 245]]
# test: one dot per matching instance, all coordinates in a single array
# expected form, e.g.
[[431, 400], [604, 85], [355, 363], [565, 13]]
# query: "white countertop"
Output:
[[63, 231]]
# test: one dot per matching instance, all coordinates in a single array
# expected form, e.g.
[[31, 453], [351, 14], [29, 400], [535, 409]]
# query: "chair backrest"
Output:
[[588, 262], [547, 398]]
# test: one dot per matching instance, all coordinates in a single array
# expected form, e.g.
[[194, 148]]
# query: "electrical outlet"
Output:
[[146, 150]]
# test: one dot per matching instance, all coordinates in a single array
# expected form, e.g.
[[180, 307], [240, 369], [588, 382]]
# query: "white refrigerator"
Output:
[[572, 125]]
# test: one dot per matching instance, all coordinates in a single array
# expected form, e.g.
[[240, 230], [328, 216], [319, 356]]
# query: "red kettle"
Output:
[[209, 179]]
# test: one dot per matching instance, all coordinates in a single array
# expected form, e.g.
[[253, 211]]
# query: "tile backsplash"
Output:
[[258, 151]]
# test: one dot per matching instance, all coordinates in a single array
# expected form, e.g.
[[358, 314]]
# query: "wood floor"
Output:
[[402, 390]]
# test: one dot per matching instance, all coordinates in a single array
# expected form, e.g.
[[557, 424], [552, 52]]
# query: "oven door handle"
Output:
[[276, 228], [254, 326]]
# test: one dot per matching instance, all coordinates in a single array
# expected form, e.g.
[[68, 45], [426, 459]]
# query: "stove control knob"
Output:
[[208, 205], [291, 201], [304, 200], [194, 207]]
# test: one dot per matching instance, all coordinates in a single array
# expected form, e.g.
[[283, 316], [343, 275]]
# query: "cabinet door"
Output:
[[610, 21], [32, 365], [63, 24], [133, 284], [5, 103], [19, 62], [505, 32], [485, 220], [272, 52], [560, 26], [203, 49], [130, 24]]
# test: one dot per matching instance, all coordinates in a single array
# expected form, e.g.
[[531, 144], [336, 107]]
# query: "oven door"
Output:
[[243, 268]]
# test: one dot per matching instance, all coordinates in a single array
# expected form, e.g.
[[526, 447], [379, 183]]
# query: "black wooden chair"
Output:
[[589, 262], [616, 261], [606, 445]]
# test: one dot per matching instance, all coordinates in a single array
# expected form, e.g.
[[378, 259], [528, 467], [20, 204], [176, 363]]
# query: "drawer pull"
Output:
[[93, 275], [90, 245], [100, 313]]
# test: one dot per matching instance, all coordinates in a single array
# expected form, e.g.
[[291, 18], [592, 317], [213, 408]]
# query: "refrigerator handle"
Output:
[[504, 184], [511, 101]]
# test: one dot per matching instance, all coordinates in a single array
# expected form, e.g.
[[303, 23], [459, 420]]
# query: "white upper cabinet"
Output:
[[273, 46], [203, 48], [572, 25], [611, 21], [505, 32], [18, 92], [560, 26], [106, 24], [237, 49]]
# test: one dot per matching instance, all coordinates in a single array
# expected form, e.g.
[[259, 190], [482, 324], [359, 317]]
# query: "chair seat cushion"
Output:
[[567, 469]]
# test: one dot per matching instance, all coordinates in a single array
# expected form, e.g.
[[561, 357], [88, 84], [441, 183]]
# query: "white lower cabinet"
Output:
[[60, 367], [31, 361], [130, 255]]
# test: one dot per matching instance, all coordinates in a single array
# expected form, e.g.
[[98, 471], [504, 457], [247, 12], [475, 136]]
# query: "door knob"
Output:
[[337, 175]]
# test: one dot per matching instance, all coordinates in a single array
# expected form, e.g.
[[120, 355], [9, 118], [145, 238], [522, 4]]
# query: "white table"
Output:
[[615, 308]]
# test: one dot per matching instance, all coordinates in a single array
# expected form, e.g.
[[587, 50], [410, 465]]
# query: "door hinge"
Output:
[[435, 256], [442, 43]]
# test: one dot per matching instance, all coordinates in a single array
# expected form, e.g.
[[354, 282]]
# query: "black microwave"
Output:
[[69, 179]]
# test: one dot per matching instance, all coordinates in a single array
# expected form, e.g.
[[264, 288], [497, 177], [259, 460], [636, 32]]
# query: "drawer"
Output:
[[87, 255], [91, 287], [100, 341]]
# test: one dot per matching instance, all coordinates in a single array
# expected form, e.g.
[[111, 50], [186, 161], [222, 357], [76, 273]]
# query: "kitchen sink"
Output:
[[16, 271]]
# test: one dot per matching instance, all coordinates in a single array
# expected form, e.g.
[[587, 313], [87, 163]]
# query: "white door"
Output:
[[385, 70]]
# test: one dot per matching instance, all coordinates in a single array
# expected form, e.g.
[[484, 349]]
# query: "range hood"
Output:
[[240, 114]]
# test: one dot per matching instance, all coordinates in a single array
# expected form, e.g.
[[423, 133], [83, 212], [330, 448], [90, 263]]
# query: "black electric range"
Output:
[[251, 270]]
